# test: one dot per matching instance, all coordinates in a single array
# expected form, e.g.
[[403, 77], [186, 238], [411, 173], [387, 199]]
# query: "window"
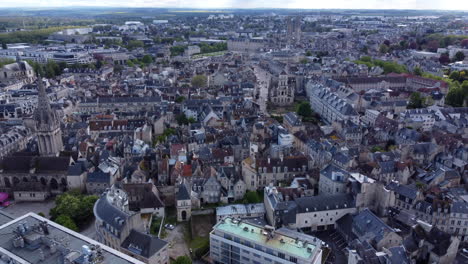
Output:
[[259, 248], [293, 259], [281, 255]]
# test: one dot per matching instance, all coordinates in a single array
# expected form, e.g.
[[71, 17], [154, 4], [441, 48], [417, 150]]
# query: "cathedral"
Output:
[[281, 90], [49, 135]]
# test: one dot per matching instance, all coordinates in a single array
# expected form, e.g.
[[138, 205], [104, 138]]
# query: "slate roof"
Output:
[[109, 213], [76, 169], [328, 171], [183, 193], [368, 226], [98, 177], [404, 190], [41, 164], [324, 202], [398, 255], [292, 119], [142, 244]]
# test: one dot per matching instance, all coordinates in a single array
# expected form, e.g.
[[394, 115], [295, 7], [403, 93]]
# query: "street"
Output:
[[263, 82]]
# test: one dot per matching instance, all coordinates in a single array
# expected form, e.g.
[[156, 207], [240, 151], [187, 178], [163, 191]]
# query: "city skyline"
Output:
[[245, 4]]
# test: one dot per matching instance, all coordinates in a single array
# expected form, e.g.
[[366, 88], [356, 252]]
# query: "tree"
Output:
[[304, 109], [183, 260], [252, 197], [130, 63], [179, 99], [308, 53], [67, 222], [444, 58], [147, 59], [455, 75], [133, 44], [182, 119], [464, 43], [417, 71], [459, 56], [413, 45], [199, 81], [383, 49], [76, 206], [416, 101], [433, 45], [4, 46], [455, 97], [386, 42]]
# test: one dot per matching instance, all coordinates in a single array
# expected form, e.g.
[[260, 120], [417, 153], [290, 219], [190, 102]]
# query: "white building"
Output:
[[236, 241], [329, 105]]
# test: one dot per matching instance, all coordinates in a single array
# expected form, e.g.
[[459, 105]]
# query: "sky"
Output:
[[213, 4]]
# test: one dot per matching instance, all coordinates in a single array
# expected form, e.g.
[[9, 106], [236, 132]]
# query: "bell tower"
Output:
[[49, 135]]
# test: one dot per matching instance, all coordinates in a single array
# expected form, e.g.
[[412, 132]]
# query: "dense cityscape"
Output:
[[179, 135]]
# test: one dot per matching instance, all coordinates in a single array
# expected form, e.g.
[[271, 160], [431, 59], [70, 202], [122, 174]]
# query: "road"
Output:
[[261, 88]]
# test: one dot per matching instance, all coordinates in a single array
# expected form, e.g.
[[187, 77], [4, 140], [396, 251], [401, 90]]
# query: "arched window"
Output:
[[54, 184]]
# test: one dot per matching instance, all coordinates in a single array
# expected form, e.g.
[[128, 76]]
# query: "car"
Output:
[[169, 226]]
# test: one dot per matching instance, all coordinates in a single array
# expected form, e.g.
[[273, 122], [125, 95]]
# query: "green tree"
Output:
[[130, 63], [252, 197], [304, 109], [308, 53], [182, 260], [455, 75], [182, 119], [459, 56], [147, 59], [417, 71], [179, 99], [4, 46], [177, 50], [416, 101], [76, 206], [455, 97], [67, 222], [199, 81]]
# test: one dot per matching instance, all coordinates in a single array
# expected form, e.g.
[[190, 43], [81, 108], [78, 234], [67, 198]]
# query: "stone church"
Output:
[[281, 90], [30, 176]]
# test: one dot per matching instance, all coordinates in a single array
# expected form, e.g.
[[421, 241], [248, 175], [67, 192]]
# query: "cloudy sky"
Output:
[[311, 4]]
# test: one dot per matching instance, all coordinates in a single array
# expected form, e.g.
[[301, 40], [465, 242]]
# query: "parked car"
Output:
[[168, 226]]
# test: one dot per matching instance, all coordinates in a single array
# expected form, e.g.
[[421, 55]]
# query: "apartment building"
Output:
[[237, 241]]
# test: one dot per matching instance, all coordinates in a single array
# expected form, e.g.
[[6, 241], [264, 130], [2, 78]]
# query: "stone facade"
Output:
[[48, 132]]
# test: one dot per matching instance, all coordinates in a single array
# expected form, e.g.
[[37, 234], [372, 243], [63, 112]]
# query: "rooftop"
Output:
[[34, 239], [286, 242]]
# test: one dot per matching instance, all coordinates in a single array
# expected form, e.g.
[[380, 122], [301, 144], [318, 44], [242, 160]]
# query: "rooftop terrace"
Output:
[[285, 242]]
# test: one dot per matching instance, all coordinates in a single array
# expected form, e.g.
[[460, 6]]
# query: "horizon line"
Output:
[[233, 8]]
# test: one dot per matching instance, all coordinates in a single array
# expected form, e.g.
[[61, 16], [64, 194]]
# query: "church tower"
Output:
[[49, 135]]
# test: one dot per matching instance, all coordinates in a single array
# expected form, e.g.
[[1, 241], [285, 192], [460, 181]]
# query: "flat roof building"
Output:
[[237, 241], [35, 239]]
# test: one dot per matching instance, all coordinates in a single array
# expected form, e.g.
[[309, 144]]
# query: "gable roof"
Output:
[[143, 244]]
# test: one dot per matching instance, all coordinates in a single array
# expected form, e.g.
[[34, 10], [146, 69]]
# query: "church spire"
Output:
[[44, 114], [48, 130]]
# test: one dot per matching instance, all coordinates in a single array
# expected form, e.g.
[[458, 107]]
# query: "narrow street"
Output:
[[261, 88]]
